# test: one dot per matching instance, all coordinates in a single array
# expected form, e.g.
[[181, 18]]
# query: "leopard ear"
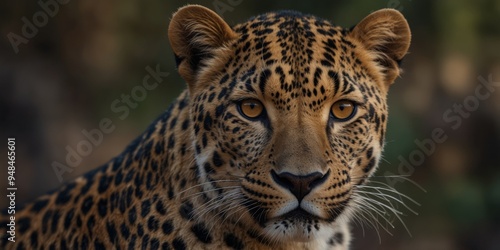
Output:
[[195, 33], [385, 33]]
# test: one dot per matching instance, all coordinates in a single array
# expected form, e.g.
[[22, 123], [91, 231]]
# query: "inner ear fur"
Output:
[[195, 32], [386, 34]]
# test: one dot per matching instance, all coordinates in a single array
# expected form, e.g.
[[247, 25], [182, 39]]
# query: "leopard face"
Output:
[[289, 114]]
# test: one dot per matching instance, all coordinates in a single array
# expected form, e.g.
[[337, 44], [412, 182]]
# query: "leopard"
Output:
[[282, 119]]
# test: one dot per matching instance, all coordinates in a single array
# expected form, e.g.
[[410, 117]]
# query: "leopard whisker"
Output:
[[209, 205], [204, 183], [197, 194], [388, 189], [368, 211], [240, 206], [396, 212], [369, 221], [387, 197], [232, 199], [249, 204], [382, 212]]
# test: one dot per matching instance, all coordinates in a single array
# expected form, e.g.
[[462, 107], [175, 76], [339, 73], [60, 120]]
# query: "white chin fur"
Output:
[[298, 231]]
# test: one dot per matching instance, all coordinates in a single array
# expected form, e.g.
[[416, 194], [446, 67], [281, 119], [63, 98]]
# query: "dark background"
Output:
[[91, 52]]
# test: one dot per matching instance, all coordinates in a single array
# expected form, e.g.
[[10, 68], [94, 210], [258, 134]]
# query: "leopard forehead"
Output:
[[282, 56]]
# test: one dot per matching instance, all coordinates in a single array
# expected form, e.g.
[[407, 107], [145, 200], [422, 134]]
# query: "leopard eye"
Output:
[[251, 108], [343, 110]]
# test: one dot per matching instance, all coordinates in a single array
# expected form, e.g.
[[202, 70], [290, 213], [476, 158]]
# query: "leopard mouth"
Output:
[[299, 214]]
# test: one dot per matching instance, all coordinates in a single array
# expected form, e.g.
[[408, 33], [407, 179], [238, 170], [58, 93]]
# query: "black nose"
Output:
[[299, 185]]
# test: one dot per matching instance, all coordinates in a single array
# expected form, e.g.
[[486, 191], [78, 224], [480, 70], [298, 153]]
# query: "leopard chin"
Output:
[[297, 230]]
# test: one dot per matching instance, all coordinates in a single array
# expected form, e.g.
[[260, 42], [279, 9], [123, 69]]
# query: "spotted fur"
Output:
[[203, 176]]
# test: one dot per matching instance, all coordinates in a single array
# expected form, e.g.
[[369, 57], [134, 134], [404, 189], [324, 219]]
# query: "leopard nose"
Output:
[[299, 185]]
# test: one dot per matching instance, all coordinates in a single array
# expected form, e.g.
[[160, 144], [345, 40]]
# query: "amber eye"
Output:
[[251, 108], [343, 110]]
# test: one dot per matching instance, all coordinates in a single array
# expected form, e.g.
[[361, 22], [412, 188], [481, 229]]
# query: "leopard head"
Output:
[[288, 113]]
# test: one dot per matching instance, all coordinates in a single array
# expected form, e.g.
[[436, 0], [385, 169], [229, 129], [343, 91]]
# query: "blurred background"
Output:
[[62, 67]]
